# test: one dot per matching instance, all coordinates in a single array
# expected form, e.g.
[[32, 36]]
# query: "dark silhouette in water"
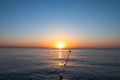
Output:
[[69, 51], [61, 77]]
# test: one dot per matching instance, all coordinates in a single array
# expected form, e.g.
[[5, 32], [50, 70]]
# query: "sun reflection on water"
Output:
[[60, 56], [60, 64]]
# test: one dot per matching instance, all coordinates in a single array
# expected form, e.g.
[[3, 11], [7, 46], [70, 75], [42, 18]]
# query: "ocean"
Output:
[[48, 64]]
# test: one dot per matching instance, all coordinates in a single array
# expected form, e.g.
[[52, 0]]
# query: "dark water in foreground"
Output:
[[44, 64]]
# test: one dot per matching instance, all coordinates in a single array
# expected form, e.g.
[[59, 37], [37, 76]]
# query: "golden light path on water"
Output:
[[60, 56]]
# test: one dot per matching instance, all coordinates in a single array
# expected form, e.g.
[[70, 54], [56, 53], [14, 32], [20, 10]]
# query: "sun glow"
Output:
[[60, 45]]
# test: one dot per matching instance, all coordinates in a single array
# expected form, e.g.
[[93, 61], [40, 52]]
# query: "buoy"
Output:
[[69, 51]]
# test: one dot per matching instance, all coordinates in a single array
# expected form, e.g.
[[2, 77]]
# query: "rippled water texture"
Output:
[[47, 64]]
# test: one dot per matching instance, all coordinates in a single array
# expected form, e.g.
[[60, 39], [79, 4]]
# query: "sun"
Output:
[[60, 45]]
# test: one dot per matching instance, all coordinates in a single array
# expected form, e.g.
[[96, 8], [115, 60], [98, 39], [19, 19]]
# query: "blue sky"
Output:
[[76, 20]]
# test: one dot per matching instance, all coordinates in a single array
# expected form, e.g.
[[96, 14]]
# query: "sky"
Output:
[[77, 23]]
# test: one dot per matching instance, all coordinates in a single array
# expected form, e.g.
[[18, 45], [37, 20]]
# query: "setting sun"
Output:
[[60, 45]]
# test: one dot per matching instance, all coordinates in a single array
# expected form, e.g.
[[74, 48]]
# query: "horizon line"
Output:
[[63, 48]]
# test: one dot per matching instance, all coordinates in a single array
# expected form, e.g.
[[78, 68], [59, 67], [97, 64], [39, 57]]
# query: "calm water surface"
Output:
[[47, 64]]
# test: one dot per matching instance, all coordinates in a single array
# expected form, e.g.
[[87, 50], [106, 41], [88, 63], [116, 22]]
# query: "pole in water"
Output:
[[61, 76], [67, 58]]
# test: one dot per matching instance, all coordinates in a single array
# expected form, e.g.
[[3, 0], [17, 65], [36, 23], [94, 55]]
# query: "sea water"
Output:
[[47, 64]]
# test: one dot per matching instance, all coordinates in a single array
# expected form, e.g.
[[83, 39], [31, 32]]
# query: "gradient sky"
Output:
[[78, 23]]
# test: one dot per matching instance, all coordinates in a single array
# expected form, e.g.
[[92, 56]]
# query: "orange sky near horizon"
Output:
[[68, 43], [50, 40]]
